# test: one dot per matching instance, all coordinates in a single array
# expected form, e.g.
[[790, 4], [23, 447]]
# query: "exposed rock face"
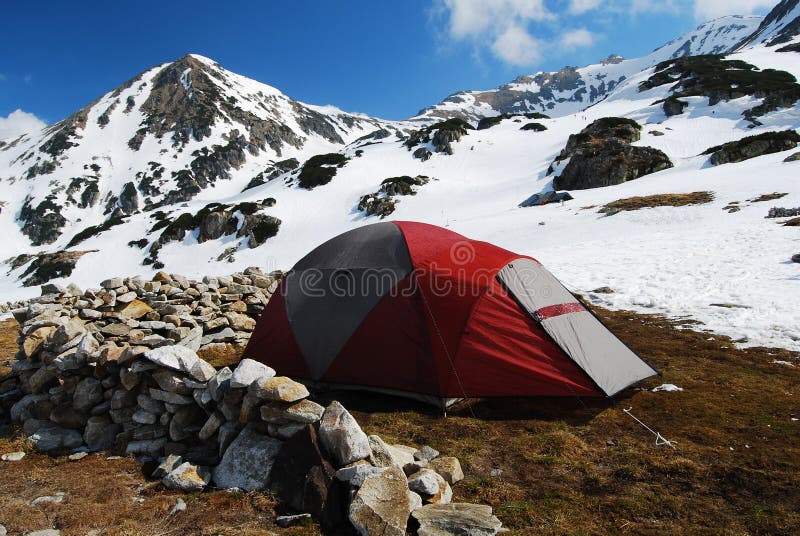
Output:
[[187, 478], [753, 146], [42, 223], [440, 135], [46, 266], [601, 155], [457, 519], [382, 202], [673, 106], [382, 504], [128, 199]]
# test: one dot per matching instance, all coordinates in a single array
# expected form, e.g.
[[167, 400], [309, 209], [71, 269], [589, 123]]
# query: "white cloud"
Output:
[[499, 24], [709, 9], [517, 47], [582, 6], [474, 17], [19, 122], [577, 38]]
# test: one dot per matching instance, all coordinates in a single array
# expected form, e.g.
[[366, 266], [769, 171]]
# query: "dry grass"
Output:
[[794, 222], [547, 466], [659, 200], [767, 197], [8, 345]]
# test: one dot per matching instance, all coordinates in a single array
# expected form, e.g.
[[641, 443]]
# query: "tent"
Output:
[[418, 310]]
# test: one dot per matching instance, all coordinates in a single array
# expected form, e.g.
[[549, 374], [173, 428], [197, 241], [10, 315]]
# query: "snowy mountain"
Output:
[[200, 171], [574, 88], [780, 26]]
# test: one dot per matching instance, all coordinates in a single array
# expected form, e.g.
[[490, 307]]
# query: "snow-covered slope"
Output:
[[727, 269], [574, 88], [780, 26]]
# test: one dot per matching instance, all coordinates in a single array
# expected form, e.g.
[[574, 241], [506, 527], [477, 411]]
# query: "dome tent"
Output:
[[418, 310]]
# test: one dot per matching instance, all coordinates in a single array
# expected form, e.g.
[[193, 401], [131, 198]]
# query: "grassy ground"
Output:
[[659, 200], [547, 466]]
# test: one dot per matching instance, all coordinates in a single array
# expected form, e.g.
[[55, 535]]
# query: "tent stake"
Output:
[[660, 440]]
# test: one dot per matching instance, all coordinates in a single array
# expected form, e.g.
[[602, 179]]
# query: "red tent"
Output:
[[420, 310]]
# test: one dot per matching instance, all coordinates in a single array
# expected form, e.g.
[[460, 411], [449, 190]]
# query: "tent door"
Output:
[[606, 359]]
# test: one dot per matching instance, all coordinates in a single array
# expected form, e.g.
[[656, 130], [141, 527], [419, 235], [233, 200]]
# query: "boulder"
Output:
[[449, 467], [247, 462], [382, 504], [100, 433], [383, 455], [457, 519], [187, 478], [342, 436], [182, 359], [33, 342], [53, 438], [249, 371], [426, 454], [134, 309], [304, 411], [430, 486], [357, 473], [279, 389], [88, 393], [167, 465], [304, 479]]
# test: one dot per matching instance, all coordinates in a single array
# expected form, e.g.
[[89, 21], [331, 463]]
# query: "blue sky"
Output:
[[387, 59]]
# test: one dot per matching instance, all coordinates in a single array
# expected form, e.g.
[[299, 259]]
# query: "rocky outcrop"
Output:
[[42, 223], [753, 146], [440, 135], [46, 266], [602, 155], [721, 79], [383, 202], [320, 169], [673, 106]]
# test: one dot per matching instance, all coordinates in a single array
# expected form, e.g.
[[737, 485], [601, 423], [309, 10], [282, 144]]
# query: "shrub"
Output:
[[320, 169]]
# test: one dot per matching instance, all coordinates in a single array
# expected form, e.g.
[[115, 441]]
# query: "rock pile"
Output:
[[117, 369]]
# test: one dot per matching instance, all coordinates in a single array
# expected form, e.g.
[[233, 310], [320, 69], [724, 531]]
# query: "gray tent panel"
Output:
[[606, 359], [332, 290]]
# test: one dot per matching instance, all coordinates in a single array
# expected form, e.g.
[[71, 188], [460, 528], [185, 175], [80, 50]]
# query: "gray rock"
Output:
[[211, 426], [382, 504], [171, 398], [182, 359], [78, 456], [21, 411], [53, 438], [180, 506], [100, 433], [44, 532], [171, 382], [279, 389], [166, 466], [247, 462], [304, 411], [430, 486], [342, 436], [219, 384], [88, 392], [249, 371], [150, 405], [426, 453], [12, 456], [226, 335], [457, 519], [114, 282], [143, 417], [291, 521], [356, 474], [187, 478], [51, 499], [449, 467], [146, 446]]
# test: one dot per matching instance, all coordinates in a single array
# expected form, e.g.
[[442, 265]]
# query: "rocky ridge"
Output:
[[118, 369]]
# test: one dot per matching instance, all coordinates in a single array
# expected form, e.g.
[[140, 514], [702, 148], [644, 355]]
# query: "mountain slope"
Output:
[[781, 25], [175, 132], [255, 206], [574, 88]]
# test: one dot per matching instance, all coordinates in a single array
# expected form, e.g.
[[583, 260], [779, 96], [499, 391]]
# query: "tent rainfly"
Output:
[[418, 310]]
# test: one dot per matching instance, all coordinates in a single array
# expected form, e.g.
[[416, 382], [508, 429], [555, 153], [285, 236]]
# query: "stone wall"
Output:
[[117, 369]]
